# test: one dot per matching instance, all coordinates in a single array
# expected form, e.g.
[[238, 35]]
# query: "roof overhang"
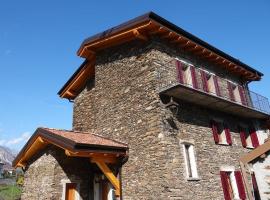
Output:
[[141, 28], [112, 151]]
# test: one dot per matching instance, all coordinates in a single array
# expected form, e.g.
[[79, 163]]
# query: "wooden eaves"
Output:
[[103, 153], [142, 28]]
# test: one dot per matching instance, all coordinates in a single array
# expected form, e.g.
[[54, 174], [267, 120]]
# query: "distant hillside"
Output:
[[6, 155]]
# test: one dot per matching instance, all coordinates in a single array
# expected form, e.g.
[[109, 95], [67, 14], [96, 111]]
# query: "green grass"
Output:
[[10, 192]]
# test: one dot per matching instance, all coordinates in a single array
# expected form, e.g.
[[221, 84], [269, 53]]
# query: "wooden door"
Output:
[[70, 191]]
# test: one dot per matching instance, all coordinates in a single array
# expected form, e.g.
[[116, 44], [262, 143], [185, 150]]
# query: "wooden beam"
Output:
[[179, 38], [168, 35], [244, 169], [138, 35], [191, 48], [160, 29], [109, 174]]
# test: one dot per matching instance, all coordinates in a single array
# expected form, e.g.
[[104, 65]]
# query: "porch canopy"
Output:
[[98, 149]]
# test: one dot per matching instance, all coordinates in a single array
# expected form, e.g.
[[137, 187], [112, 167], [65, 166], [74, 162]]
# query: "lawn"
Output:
[[9, 192]]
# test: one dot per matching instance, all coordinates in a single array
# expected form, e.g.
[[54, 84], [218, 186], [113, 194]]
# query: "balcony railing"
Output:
[[177, 74]]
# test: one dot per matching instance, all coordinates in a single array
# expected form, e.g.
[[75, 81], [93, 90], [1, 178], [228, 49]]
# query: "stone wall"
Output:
[[49, 171], [123, 103]]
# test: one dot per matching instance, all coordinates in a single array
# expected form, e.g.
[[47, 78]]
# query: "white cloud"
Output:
[[23, 138], [2, 142]]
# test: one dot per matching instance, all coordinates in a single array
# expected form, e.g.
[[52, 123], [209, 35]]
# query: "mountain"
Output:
[[6, 155]]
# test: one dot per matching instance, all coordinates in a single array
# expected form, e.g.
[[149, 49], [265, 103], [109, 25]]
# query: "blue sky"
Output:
[[39, 40]]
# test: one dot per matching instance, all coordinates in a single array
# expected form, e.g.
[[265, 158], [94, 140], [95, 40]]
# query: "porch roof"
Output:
[[79, 144]]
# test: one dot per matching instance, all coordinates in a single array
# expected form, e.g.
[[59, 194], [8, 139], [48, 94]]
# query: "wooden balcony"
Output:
[[195, 85]]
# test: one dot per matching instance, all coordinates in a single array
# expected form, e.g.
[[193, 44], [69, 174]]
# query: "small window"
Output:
[[190, 161], [232, 184], [248, 137], [221, 132]]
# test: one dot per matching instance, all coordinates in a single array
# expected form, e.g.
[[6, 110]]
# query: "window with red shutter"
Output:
[[240, 185], [194, 78], [179, 69], [243, 136], [227, 134], [230, 89], [242, 95], [254, 137], [204, 81], [216, 86], [221, 132], [214, 127], [225, 185], [255, 187]]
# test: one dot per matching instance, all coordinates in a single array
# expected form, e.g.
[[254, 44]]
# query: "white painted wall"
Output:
[[262, 173]]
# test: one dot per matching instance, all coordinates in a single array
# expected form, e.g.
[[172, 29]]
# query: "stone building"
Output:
[[182, 106]]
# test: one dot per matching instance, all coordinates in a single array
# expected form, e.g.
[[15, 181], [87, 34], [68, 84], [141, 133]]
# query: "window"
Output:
[[248, 137], [256, 192], [190, 162], [232, 184], [221, 132], [186, 74], [237, 93]]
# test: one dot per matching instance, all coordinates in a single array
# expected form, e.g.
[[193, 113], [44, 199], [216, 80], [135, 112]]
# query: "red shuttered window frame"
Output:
[[242, 95], [214, 126], [254, 137], [216, 85], [194, 78], [204, 81], [243, 136], [230, 89], [179, 69], [227, 133], [240, 185], [225, 185]]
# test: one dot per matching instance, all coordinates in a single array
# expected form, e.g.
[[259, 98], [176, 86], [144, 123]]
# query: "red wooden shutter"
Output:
[[242, 95], [227, 133], [254, 138], [240, 185], [179, 68], [230, 89], [194, 79], [214, 127], [243, 136], [216, 85], [255, 187], [225, 185], [204, 81]]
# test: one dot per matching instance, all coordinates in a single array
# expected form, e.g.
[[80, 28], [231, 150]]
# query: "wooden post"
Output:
[[109, 174]]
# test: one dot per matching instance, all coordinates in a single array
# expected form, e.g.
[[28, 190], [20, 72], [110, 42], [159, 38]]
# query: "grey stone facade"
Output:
[[49, 171], [123, 103]]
